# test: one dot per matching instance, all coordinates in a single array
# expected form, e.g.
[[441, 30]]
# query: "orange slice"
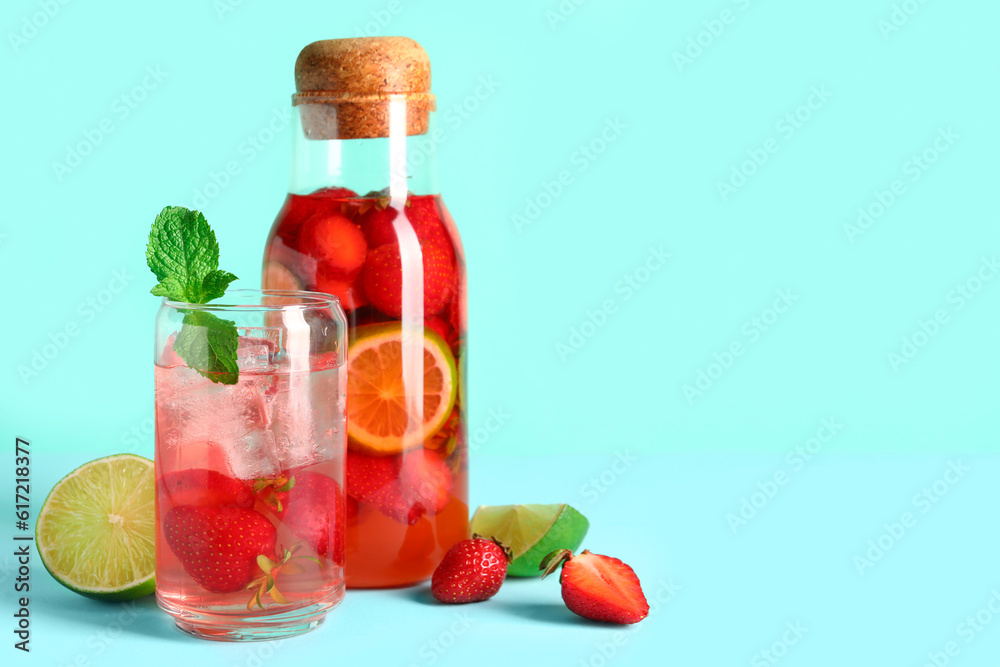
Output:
[[378, 421]]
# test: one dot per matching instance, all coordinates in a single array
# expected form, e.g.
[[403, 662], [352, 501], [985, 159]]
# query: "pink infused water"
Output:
[[250, 503]]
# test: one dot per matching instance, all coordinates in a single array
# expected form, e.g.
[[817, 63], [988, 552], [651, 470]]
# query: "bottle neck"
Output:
[[398, 162]]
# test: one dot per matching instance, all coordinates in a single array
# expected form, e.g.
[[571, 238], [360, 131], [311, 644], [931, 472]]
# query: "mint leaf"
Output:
[[208, 344], [182, 252], [184, 256], [215, 283]]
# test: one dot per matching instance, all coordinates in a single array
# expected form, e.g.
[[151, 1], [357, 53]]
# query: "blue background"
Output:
[[582, 141]]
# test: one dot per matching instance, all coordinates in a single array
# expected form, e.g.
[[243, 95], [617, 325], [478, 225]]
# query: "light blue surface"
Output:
[[770, 272], [723, 596]]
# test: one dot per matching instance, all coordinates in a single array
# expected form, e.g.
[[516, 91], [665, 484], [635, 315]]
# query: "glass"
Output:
[[407, 475], [250, 475]]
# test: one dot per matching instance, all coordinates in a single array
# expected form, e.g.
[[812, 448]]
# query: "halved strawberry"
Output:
[[382, 279], [203, 487], [218, 546], [598, 587], [336, 242]]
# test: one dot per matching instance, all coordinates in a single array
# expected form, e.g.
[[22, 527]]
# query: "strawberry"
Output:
[[203, 487], [219, 546], [382, 279], [471, 571], [337, 244], [351, 510], [421, 211], [375, 480], [335, 193], [598, 587], [443, 329], [425, 480], [376, 222], [312, 508], [348, 291]]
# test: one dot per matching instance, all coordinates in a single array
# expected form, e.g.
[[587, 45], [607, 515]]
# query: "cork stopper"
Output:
[[344, 86]]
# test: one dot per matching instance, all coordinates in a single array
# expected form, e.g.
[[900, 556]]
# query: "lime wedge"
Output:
[[531, 532], [96, 530]]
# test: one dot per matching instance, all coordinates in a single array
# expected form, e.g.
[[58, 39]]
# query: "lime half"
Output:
[[96, 530], [531, 532]]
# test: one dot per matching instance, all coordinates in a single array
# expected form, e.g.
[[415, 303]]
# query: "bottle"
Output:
[[364, 221]]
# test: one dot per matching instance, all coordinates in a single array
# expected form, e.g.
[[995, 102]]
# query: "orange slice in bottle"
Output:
[[378, 414]]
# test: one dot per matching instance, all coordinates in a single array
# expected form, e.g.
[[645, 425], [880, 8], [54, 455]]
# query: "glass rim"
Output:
[[251, 302]]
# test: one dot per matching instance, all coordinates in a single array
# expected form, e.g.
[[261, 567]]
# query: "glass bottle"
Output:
[[364, 221]]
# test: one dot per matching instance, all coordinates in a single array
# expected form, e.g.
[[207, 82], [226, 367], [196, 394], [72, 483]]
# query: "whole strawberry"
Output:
[[219, 546], [200, 486], [405, 487], [598, 587], [382, 277], [471, 571], [313, 510]]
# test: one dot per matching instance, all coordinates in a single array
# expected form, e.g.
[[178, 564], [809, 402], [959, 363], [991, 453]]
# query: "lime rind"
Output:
[[531, 532], [95, 531]]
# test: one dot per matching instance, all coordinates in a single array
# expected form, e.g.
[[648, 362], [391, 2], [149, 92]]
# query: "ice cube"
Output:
[[307, 418], [256, 350], [191, 408], [254, 456]]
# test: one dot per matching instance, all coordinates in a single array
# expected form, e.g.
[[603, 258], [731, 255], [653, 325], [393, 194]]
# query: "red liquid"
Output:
[[216, 459], [330, 242]]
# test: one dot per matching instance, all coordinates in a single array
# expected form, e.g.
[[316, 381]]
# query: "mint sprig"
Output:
[[184, 256]]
